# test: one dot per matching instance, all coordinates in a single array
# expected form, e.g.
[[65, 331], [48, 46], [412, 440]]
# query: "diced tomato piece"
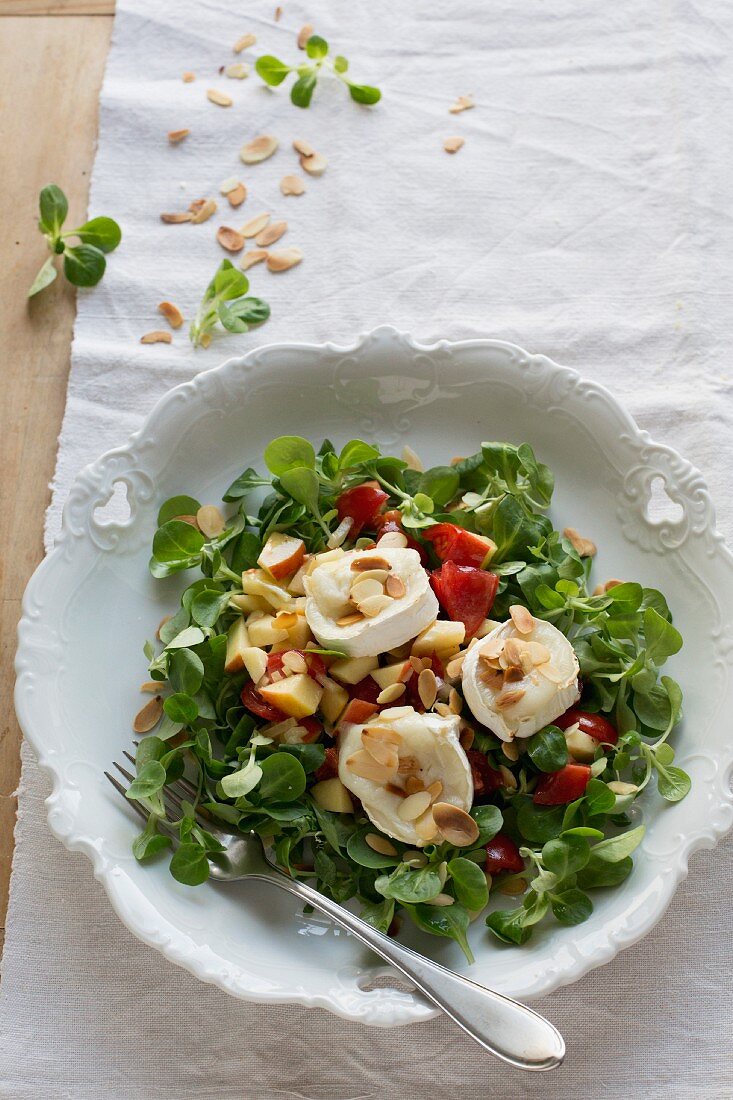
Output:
[[330, 766], [362, 504], [367, 689], [453, 543], [565, 785], [502, 854], [358, 711], [314, 728], [595, 725], [392, 521], [465, 593], [316, 667], [254, 702], [485, 778]]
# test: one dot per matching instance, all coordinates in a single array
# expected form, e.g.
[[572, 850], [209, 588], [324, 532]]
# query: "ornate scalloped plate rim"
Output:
[[382, 1007]]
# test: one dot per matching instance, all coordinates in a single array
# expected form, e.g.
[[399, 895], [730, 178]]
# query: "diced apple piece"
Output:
[[299, 635], [443, 637], [331, 794], [580, 745], [263, 631], [333, 701], [351, 670], [237, 644], [255, 582], [301, 735], [358, 711], [297, 695], [247, 603], [295, 585], [255, 661], [391, 674], [282, 555]]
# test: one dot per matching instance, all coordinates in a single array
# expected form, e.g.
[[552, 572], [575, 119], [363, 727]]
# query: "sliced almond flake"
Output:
[[455, 702], [522, 618], [375, 605], [172, 314], [364, 587], [237, 71], [259, 149], [427, 687], [221, 99], [271, 233], [425, 826], [383, 733], [467, 737], [148, 716], [380, 575], [512, 653], [237, 195], [463, 103], [284, 259], [435, 790], [156, 337], [252, 258], [413, 784], [303, 147], [453, 144], [292, 185], [255, 225], [585, 547], [381, 751], [395, 587], [204, 211], [392, 539], [188, 519], [338, 536], [453, 668], [513, 674], [408, 765], [366, 767], [177, 219], [509, 698], [492, 649], [510, 750], [416, 663], [245, 42], [177, 136], [443, 710], [391, 693], [278, 13], [413, 806], [550, 673], [229, 184], [304, 34], [349, 620], [369, 562], [394, 789], [509, 778], [455, 825], [210, 520], [538, 653], [380, 844], [229, 238], [441, 899], [161, 624], [150, 687], [413, 460], [314, 165], [188, 78]]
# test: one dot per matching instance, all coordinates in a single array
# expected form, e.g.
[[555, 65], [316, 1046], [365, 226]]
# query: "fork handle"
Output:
[[502, 1026]]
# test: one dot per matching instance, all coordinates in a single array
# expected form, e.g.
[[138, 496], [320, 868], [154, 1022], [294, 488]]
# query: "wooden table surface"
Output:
[[53, 56]]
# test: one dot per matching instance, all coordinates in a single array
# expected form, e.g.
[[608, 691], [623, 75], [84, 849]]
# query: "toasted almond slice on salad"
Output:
[[467, 737], [149, 715], [383, 733], [510, 750], [369, 561], [172, 314], [210, 520], [365, 766], [381, 751], [255, 225], [259, 149], [427, 687], [350, 619], [408, 765], [251, 258], [426, 827], [380, 844], [456, 826], [585, 547], [509, 698], [391, 693], [413, 806], [522, 618], [395, 587]]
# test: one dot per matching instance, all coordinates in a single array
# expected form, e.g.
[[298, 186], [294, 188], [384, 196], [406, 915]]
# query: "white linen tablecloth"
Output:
[[588, 216]]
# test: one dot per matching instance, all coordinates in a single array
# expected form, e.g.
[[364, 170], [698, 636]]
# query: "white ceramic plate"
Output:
[[91, 604]]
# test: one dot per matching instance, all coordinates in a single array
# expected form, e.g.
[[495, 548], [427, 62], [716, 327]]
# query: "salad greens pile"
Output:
[[246, 780]]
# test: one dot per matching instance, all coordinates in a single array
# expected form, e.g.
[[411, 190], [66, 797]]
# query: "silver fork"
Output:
[[513, 1032]]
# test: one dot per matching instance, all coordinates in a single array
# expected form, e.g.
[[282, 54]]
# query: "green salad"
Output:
[[406, 683]]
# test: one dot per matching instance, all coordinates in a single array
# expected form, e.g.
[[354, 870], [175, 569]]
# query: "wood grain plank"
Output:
[[54, 135], [56, 7]]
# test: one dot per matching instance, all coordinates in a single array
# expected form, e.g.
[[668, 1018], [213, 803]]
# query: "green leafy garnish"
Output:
[[84, 263], [273, 72], [224, 302]]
